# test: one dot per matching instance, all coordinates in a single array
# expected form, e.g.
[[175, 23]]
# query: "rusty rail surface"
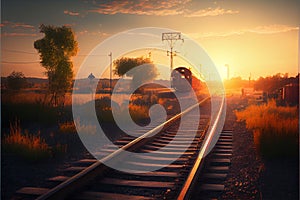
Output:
[[185, 193]]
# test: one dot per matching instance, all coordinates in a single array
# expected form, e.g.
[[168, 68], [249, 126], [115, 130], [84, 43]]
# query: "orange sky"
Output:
[[254, 37]]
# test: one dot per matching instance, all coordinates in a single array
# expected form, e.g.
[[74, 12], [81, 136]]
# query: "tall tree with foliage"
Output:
[[56, 49], [124, 66], [16, 81]]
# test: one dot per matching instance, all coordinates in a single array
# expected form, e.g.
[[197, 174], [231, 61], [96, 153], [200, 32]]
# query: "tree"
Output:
[[56, 49], [126, 66], [16, 81], [271, 83]]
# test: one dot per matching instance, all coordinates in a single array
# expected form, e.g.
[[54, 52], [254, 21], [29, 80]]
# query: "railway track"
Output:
[[91, 179]]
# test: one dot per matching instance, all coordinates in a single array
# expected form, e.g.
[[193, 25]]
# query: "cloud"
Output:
[[210, 12], [215, 34], [155, 8], [18, 29], [141, 7], [71, 13], [92, 33], [269, 29], [22, 25], [17, 25], [70, 24]]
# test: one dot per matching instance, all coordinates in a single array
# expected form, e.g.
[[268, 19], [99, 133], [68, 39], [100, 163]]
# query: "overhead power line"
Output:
[[18, 63], [34, 62], [36, 53], [17, 51], [172, 37]]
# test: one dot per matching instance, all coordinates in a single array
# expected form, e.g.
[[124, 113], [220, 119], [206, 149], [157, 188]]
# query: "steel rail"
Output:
[[97, 169], [186, 190]]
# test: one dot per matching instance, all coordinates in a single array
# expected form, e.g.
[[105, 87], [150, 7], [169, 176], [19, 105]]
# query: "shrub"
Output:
[[30, 147], [275, 128], [103, 109], [16, 81], [67, 127], [138, 112]]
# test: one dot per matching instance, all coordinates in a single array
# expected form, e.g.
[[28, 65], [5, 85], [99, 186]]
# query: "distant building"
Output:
[[91, 77], [290, 94]]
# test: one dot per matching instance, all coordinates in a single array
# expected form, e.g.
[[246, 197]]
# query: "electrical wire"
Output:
[[18, 63], [26, 52], [33, 62]]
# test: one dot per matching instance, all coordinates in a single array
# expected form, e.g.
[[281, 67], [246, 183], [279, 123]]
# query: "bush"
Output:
[[104, 111], [67, 127], [275, 128], [138, 112], [16, 81], [31, 147]]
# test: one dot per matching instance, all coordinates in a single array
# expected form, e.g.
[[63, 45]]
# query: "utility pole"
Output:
[[110, 72], [298, 50], [171, 37], [250, 79], [92, 77]]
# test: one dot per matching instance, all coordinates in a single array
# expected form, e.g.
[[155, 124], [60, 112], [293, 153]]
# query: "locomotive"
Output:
[[181, 78]]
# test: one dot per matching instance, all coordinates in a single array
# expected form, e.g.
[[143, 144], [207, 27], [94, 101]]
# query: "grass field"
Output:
[[31, 111], [29, 146], [276, 128]]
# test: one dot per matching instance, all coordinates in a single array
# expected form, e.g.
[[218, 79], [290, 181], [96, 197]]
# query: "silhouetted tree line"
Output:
[[272, 83], [16, 81]]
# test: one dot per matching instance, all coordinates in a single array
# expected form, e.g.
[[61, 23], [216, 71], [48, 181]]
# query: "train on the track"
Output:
[[181, 79]]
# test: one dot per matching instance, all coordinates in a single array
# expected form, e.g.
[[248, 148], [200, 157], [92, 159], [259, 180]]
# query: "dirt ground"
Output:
[[17, 172], [250, 176]]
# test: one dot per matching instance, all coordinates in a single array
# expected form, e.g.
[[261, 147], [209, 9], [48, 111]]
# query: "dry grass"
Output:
[[138, 112], [31, 147], [67, 127], [276, 128], [31, 97], [23, 97]]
